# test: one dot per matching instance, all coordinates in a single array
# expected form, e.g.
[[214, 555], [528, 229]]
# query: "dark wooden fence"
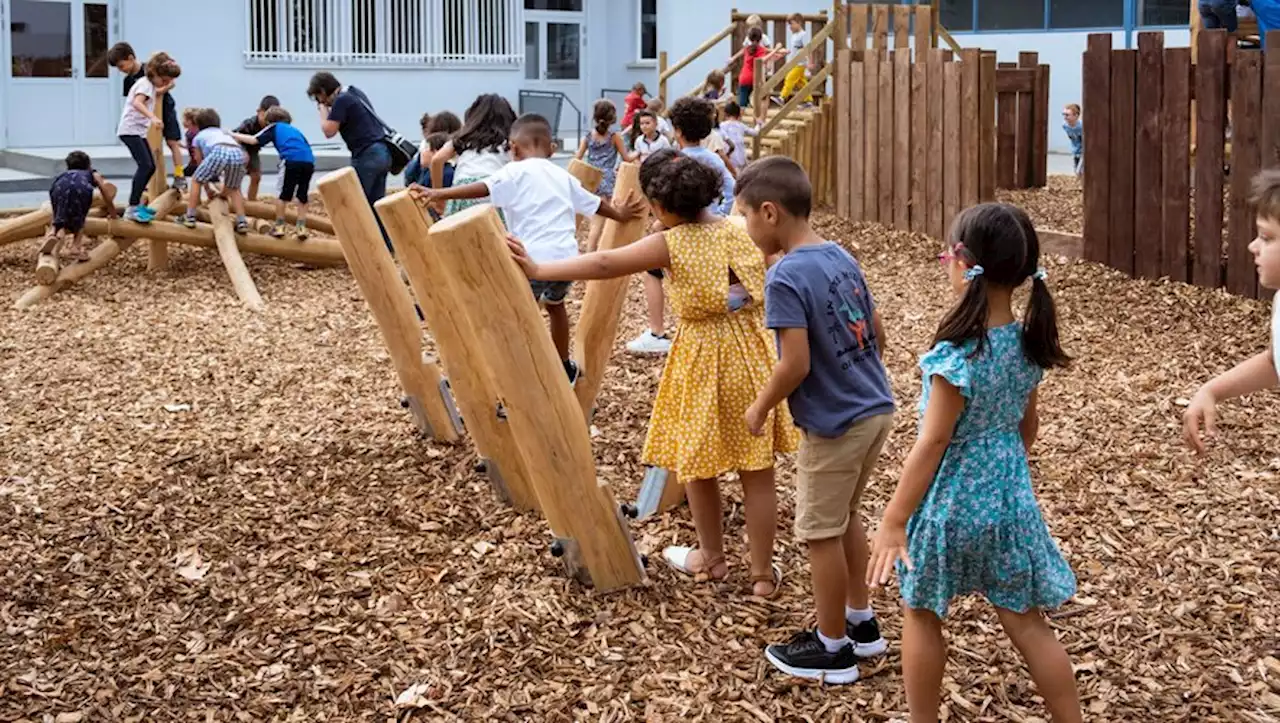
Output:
[[1022, 123], [1155, 204]]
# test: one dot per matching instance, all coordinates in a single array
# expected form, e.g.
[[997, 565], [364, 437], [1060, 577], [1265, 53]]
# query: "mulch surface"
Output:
[[1059, 206], [207, 514]]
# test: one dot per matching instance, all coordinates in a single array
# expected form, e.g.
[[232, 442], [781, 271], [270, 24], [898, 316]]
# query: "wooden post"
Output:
[[379, 281], [590, 177], [987, 122], [843, 154], [1175, 222], [1097, 152], [760, 110], [933, 155], [1209, 142], [1246, 157], [100, 256], [225, 236], [460, 349], [871, 138], [1149, 158], [855, 128], [662, 76], [1124, 70], [919, 137], [544, 416], [157, 251], [952, 186], [970, 129], [1027, 127], [601, 306], [902, 133], [885, 144]]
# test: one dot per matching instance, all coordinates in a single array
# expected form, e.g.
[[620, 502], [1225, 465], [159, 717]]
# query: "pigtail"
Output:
[[634, 132], [1040, 327], [968, 319]]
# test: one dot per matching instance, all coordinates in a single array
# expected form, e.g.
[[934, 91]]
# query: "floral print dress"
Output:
[[979, 527]]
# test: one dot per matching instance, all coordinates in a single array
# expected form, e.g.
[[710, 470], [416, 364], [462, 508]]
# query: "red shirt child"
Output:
[[635, 102]]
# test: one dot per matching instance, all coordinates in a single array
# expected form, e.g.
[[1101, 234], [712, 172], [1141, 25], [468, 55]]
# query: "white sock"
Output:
[[856, 616], [833, 645]]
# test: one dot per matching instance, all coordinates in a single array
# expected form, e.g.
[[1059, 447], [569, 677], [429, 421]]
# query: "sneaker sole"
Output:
[[647, 352], [871, 650], [832, 677]]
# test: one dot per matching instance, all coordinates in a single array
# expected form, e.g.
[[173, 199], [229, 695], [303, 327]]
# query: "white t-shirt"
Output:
[[647, 147], [206, 139], [715, 142], [764, 42], [1275, 332], [665, 128], [475, 165], [542, 201], [799, 40], [132, 121]]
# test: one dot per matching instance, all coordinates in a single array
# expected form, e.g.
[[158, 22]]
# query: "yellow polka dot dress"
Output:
[[719, 361]]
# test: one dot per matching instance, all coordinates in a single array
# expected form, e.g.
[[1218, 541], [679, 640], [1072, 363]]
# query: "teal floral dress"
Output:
[[979, 528]]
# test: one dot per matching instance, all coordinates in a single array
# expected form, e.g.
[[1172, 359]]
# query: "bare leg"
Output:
[[558, 321], [704, 507], [76, 249], [593, 236], [1047, 660], [655, 301], [924, 657], [175, 150], [255, 178], [856, 554], [760, 500], [279, 204], [193, 197], [829, 570], [301, 207], [237, 201]]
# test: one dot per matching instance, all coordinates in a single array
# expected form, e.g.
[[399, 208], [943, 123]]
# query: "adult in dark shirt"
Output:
[[346, 111]]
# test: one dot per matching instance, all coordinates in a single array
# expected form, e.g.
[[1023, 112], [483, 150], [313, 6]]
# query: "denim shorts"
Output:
[[551, 293]]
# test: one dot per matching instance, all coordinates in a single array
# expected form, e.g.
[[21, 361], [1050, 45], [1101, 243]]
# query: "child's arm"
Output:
[[108, 191], [582, 149], [441, 157], [1029, 427], [431, 195], [1253, 375], [649, 252], [940, 417], [245, 139], [621, 146], [791, 369], [635, 208], [140, 105]]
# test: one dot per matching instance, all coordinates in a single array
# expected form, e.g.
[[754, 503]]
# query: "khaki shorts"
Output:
[[830, 476]]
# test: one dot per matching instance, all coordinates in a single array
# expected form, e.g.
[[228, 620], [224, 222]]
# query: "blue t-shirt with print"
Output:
[[356, 124], [1075, 134], [289, 142], [821, 288], [708, 158]]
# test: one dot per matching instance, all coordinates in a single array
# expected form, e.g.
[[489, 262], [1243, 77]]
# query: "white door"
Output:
[[58, 85], [555, 34]]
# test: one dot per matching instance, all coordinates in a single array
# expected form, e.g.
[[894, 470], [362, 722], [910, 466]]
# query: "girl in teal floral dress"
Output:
[[964, 518]]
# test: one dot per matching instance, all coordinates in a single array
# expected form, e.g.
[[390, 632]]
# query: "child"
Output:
[[72, 196], [221, 158], [542, 202], [799, 39], [650, 140], [713, 87], [602, 148], [756, 49], [138, 116], [659, 110], [715, 142], [1262, 370], [1215, 14], [692, 120], [735, 133], [830, 340], [297, 165], [720, 360], [122, 57], [189, 131], [252, 126], [1074, 128], [479, 146], [634, 102], [964, 517]]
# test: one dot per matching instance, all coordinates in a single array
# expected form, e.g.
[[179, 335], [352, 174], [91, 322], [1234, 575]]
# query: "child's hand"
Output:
[[420, 193], [521, 257], [756, 417], [634, 208], [889, 546], [1203, 410]]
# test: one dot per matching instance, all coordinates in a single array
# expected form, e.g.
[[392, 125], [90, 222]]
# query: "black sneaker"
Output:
[[865, 635], [804, 656], [571, 369]]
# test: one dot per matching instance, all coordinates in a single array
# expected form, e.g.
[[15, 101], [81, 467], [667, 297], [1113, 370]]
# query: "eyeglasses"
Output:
[[946, 257]]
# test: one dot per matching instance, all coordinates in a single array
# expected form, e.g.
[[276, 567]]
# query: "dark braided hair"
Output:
[[680, 184]]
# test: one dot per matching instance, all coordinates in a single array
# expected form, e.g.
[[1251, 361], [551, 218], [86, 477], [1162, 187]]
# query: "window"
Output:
[[648, 30], [574, 6], [1017, 15], [40, 39], [385, 32], [1164, 12], [956, 15], [1069, 14]]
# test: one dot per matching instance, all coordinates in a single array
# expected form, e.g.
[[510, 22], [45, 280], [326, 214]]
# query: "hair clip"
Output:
[[1041, 274], [973, 273]]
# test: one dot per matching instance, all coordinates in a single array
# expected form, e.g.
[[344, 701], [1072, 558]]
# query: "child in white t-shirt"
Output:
[[1262, 370], [650, 140], [541, 201]]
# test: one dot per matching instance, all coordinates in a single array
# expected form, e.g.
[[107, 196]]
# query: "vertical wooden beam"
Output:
[[1211, 118], [224, 236], [919, 142], [885, 144], [1246, 161], [880, 29], [844, 156], [157, 251], [1175, 221], [855, 127], [923, 31], [1097, 151], [901, 27], [934, 154], [1024, 175], [1149, 158], [902, 138], [1040, 134], [987, 122], [951, 156], [1271, 101], [662, 75], [1007, 140], [871, 138], [970, 130], [1124, 64], [858, 17]]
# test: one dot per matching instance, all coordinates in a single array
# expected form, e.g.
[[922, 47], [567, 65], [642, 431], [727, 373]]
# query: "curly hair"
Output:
[[692, 118], [678, 183], [604, 113], [486, 125], [162, 65]]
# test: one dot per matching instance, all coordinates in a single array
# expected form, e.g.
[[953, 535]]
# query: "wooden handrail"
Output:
[[821, 17], [697, 52], [946, 36], [804, 54], [818, 79]]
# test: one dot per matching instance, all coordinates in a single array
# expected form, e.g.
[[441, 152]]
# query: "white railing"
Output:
[[405, 33]]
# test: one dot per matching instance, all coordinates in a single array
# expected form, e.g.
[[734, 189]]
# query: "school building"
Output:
[[416, 56]]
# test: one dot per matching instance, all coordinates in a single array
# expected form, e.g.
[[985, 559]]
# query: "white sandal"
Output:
[[678, 558]]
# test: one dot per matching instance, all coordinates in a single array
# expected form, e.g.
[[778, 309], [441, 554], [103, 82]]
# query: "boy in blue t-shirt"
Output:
[[297, 164], [830, 340], [1074, 128]]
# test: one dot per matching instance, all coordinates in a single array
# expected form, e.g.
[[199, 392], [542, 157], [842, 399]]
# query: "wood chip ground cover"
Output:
[[207, 514]]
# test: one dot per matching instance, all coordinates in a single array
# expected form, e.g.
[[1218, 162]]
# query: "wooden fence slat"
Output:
[[1040, 130], [1149, 157], [1271, 102], [901, 27], [779, 33], [1015, 79], [1246, 157], [1097, 152], [951, 117], [1175, 222], [855, 127], [1124, 64], [969, 75], [902, 139], [1006, 140], [1026, 124], [739, 37], [843, 154], [826, 159], [857, 29], [923, 32], [819, 55], [919, 141], [987, 127], [880, 29], [1210, 139], [933, 156], [871, 139], [885, 146]]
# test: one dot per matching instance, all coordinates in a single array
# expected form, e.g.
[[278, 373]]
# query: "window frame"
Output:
[[641, 61], [1132, 21]]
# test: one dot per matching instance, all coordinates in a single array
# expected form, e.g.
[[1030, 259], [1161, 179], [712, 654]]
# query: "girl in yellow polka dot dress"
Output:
[[721, 358]]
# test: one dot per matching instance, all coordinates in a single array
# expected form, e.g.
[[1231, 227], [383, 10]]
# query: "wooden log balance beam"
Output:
[[32, 222], [225, 236], [460, 351], [266, 211], [157, 251], [313, 252], [379, 281], [100, 256], [545, 418]]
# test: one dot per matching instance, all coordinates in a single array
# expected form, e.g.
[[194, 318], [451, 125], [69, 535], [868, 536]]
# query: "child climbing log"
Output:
[[460, 351], [225, 236], [389, 300], [545, 419]]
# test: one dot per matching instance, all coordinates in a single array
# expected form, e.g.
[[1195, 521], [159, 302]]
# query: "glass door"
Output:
[[555, 41], [97, 94]]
